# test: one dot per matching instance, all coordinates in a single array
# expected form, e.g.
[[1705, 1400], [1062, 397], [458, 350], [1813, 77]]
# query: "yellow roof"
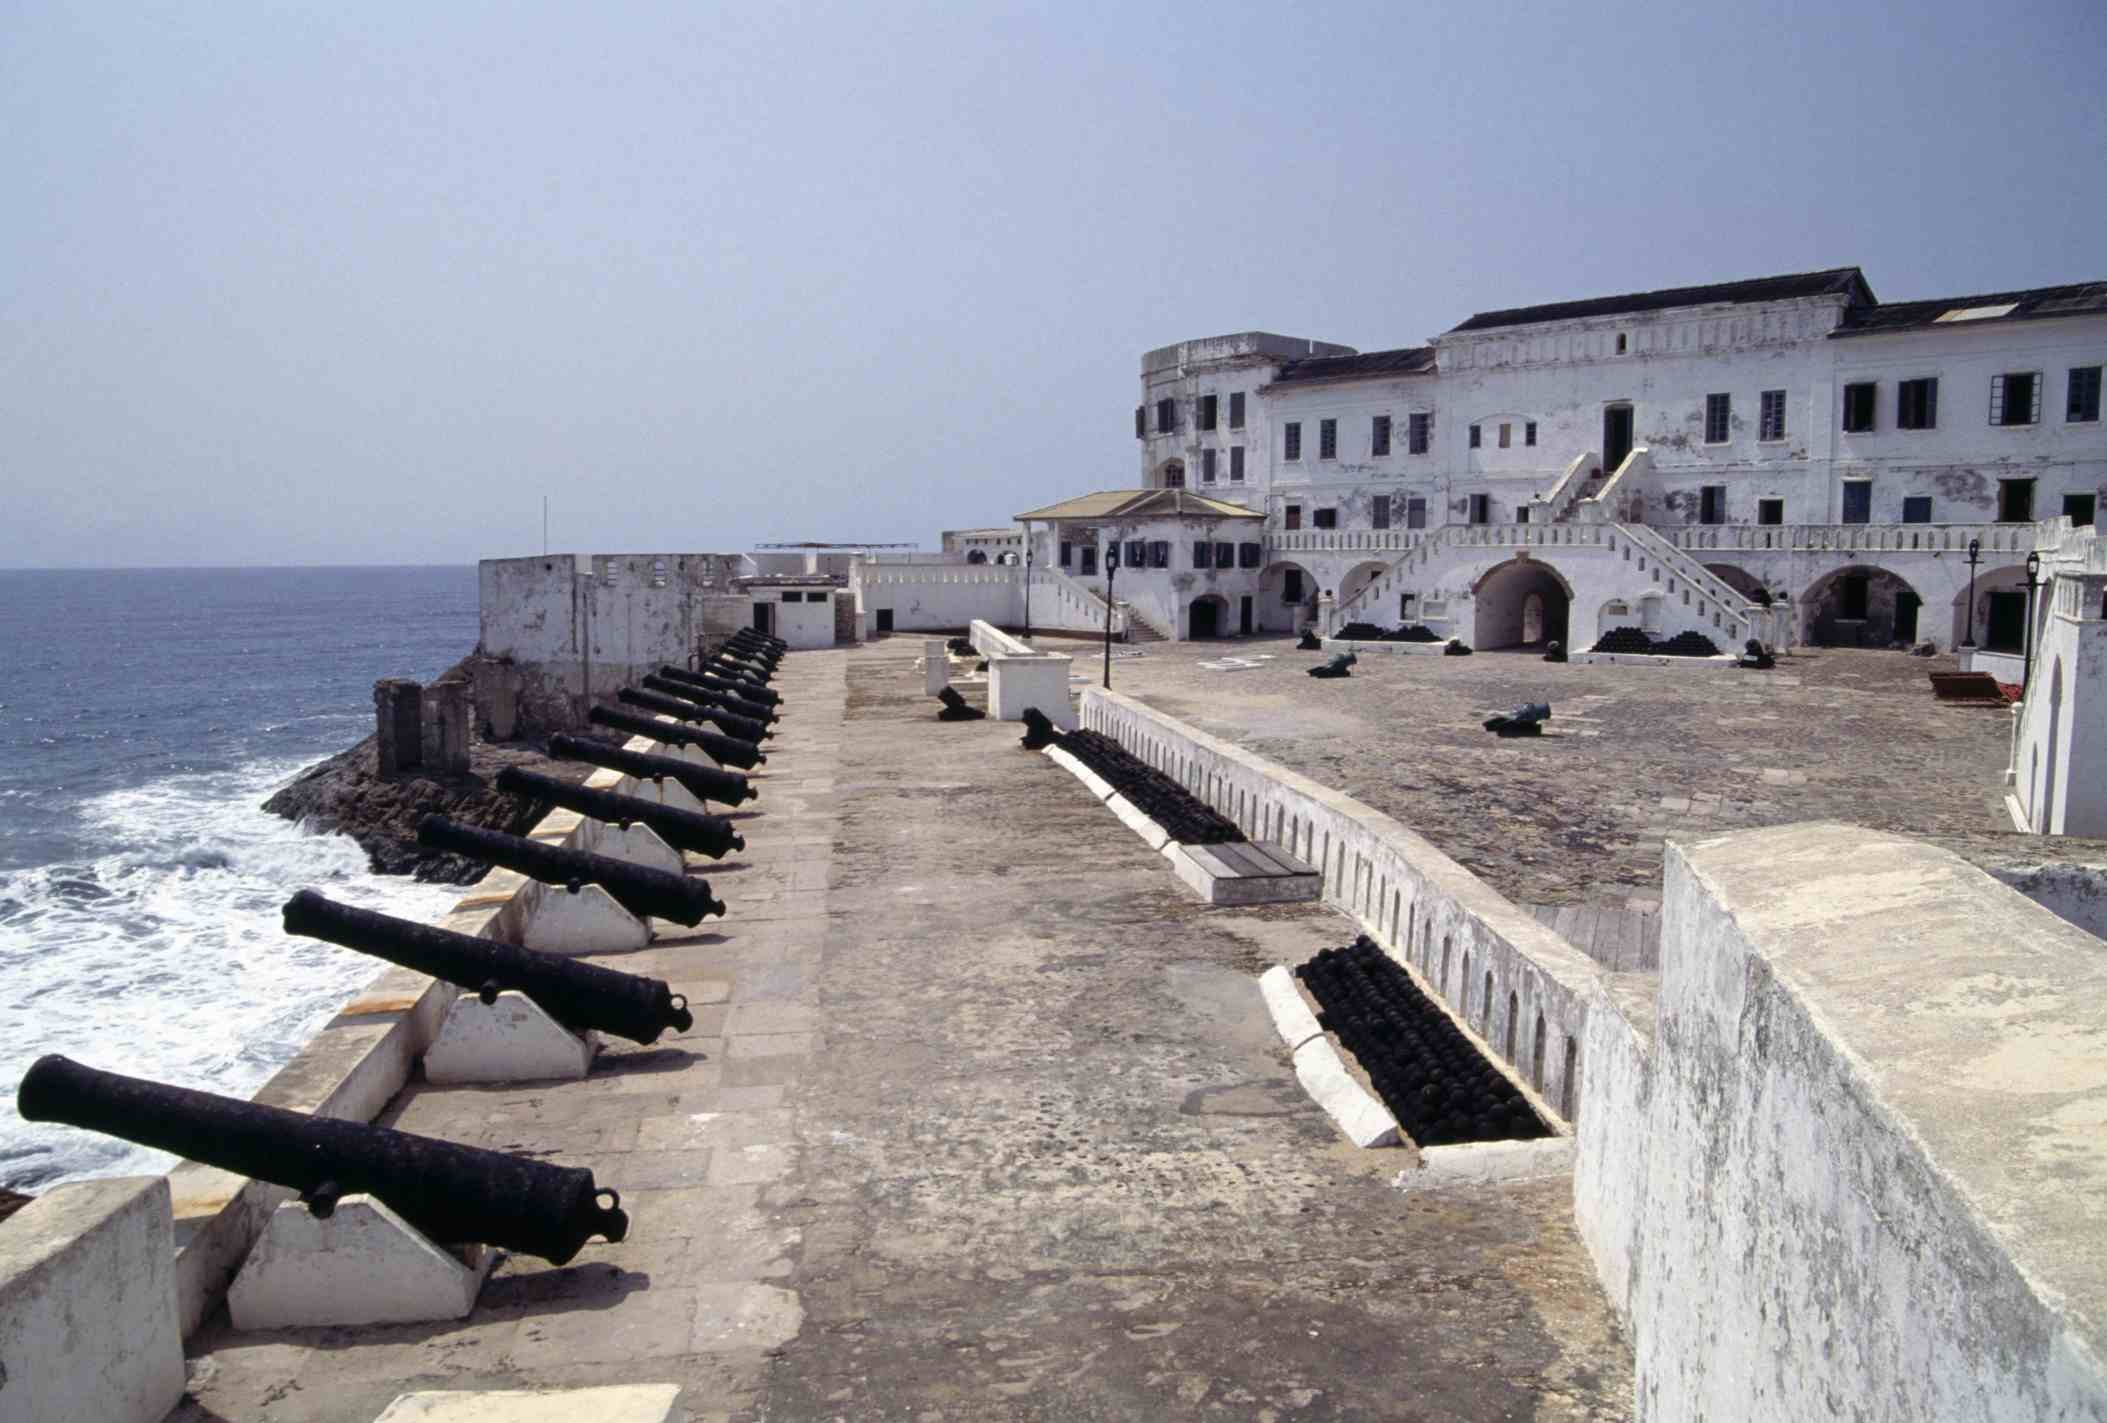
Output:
[[1139, 504]]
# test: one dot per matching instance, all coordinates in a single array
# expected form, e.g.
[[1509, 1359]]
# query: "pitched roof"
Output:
[[1837, 281], [2077, 299], [1406, 360], [1140, 504]]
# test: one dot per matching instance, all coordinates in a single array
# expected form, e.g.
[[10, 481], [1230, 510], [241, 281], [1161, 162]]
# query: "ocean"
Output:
[[144, 716]]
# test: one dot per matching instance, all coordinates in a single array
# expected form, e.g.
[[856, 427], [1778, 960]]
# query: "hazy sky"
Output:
[[363, 282]]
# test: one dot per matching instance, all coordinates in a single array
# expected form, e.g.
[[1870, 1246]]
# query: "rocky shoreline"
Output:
[[346, 795]]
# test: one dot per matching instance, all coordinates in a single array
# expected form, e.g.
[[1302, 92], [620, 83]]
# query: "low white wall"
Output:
[[1409, 897], [1020, 677], [87, 1306], [939, 596], [1854, 1168]]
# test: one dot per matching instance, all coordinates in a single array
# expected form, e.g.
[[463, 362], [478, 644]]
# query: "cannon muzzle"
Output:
[[1039, 731], [702, 782], [710, 835], [640, 890], [956, 707], [578, 995], [454, 1194]]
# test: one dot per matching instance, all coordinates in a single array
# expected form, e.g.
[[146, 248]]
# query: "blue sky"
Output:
[[303, 284]]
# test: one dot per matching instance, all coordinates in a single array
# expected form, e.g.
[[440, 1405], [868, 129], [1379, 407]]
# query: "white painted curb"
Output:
[[1487, 1163], [1152, 834], [1082, 773], [1318, 1067]]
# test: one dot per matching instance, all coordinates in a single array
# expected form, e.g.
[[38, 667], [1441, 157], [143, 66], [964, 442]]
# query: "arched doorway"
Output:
[[1861, 606], [1747, 584], [1287, 597], [1517, 598], [2000, 610], [1356, 580], [976, 556], [1207, 617]]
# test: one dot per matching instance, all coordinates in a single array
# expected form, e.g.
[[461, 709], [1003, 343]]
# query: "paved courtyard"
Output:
[[983, 1120], [1632, 755]]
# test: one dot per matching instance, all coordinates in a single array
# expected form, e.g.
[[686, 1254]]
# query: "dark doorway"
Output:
[[1616, 436], [2080, 508], [885, 620], [1906, 605], [2008, 623], [2015, 501], [1206, 618], [764, 618], [1243, 616]]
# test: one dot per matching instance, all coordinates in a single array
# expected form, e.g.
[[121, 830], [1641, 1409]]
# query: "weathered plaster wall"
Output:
[[803, 617], [1868, 1115]]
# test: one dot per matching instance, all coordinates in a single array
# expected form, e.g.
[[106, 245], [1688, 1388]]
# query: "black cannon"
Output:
[[756, 635], [955, 708], [702, 782], [454, 1194], [1309, 642], [1456, 648], [1525, 720], [695, 686], [1755, 657], [710, 682], [577, 995], [694, 704], [731, 668], [755, 652], [1039, 732], [656, 701], [710, 835], [728, 750], [1340, 665], [637, 888], [1555, 651]]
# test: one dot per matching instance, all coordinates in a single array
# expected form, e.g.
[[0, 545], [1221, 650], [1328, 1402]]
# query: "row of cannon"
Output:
[[459, 1194]]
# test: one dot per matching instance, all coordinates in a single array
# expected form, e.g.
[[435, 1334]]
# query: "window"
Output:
[[1250, 555], [1379, 436], [1404, 605], [1917, 404], [1529, 434], [1623, 343], [2015, 398], [1291, 435], [2015, 501], [1712, 504], [1379, 512], [1089, 564], [799, 597], [1159, 553], [1770, 421], [1174, 476], [1851, 607], [1166, 416], [1291, 586], [1203, 554], [1325, 519], [1859, 406], [1207, 411], [1067, 553], [1506, 435], [1770, 511], [1415, 513], [1236, 464], [1207, 466], [1916, 509], [2080, 508], [1141, 422], [1225, 555], [1477, 438], [1858, 501], [1236, 410], [1136, 556], [1419, 431], [1521, 513], [1481, 508], [1327, 439], [1719, 413], [1292, 516], [2081, 404]]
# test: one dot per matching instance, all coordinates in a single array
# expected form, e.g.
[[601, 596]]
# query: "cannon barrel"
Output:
[[731, 664], [578, 995], [694, 704], [1039, 730], [745, 682], [697, 685], [710, 704], [710, 835], [754, 652], [711, 682], [729, 750], [723, 787], [637, 888], [756, 635], [454, 1194]]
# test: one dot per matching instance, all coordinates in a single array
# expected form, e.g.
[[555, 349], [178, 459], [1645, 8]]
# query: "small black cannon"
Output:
[[1340, 665], [454, 1194], [736, 670], [728, 750], [1755, 657], [1555, 651], [695, 704], [1309, 642], [696, 687], [767, 656], [638, 889], [955, 708], [710, 682], [710, 835], [1039, 732], [1525, 720], [1456, 648], [656, 701], [705, 784], [577, 995]]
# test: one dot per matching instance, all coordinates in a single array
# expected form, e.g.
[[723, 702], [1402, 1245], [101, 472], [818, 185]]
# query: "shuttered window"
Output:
[[1166, 416], [1207, 466], [1225, 555], [1379, 511], [1327, 439], [1917, 404], [1379, 437], [1207, 412], [1250, 555], [1419, 433], [2015, 398], [1236, 464], [1236, 410], [1859, 400], [1719, 416], [1203, 555], [2081, 403], [1160, 553], [1771, 422], [1292, 437]]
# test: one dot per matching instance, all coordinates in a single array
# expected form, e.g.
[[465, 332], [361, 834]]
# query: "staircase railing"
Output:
[[1712, 591], [1549, 508], [1075, 606], [1602, 507]]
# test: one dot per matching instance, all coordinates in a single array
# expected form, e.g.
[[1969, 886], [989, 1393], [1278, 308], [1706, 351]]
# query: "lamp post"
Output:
[[1027, 582], [1975, 556], [1111, 567], [2026, 673]]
